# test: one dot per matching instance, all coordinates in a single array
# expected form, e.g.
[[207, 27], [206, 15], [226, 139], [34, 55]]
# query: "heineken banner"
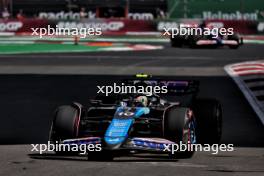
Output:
[[217, 9], [240, 26]]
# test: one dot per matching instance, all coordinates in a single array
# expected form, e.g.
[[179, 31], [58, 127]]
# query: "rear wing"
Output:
[[174, 87]]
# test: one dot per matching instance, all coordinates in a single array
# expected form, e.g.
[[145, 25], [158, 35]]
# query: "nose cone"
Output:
[[114, 142], [117, 132]]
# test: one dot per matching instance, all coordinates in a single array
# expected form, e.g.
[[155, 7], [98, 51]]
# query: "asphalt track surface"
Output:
[[33, 85]]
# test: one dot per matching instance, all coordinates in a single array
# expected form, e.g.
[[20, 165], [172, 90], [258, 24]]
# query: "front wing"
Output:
[[135, 143], [215, 42]]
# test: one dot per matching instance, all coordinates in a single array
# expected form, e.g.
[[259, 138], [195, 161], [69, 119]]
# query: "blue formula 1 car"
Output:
[[130, 123]]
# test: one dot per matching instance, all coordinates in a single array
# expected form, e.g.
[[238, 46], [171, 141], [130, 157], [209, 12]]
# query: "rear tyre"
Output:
[[177, 129], [236, 38], [192, 40], [177, 42], [208, 114]]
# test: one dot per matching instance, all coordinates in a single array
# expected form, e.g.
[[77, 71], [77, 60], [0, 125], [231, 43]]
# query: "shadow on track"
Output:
[[27, 103], [145, 158]]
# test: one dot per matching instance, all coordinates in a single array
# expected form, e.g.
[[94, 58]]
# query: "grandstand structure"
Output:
[[114, 8]]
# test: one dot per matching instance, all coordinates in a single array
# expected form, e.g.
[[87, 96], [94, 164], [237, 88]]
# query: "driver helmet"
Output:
[[143, 100]]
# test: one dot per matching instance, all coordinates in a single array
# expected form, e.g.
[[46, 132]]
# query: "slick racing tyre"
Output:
[[236, 38], [192, 40], [179, 127], [208, 114], [65, 125], [177, 41]]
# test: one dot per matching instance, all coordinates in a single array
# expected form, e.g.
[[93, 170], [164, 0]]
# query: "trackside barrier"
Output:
[[123, 26], [249, 76]]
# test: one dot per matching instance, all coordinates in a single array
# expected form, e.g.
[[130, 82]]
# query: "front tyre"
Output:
[[179, 127], [65, 125]]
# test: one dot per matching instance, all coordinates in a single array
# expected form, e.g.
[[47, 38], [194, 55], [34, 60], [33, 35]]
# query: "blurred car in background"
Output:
[[212, 40]]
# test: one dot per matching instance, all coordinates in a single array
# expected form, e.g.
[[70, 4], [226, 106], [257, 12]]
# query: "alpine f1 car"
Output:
[[206, 41], [129, 123]]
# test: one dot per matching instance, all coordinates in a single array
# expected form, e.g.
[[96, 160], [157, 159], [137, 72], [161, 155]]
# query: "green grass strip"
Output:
[[44, 48]]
